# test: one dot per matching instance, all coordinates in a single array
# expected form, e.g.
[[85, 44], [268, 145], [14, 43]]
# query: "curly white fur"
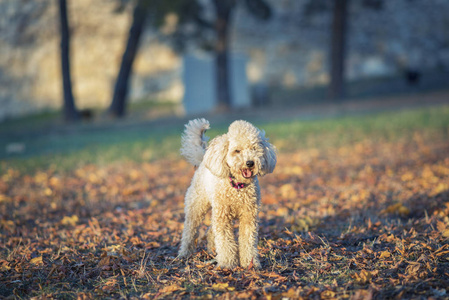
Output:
[[235, 158]]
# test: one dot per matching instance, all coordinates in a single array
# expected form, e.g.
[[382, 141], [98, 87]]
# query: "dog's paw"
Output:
[[184, 253], [253, 264], [226, 267], [227, 263]]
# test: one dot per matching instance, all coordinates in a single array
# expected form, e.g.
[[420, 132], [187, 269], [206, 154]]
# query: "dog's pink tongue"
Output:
[[247, 173]]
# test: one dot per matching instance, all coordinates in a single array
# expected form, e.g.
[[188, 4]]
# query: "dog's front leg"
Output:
[[248, 239], [225, 244]]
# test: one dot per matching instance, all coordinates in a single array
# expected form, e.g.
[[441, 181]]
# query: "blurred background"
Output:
[[276, 52], [74, 73]]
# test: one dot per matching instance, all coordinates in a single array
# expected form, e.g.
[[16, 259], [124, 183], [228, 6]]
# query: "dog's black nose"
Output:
[[250, 164]]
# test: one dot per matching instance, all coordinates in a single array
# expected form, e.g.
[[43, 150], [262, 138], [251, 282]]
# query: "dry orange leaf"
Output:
[[222, 286], [37, 261], [445, 233], [3, 198], [104, 261], [290, 294], [288, 191], [441, 226], [170, 289], [70, 220], [385, 254], [363, 277], [327, 295], [397, 208], [274, 275]]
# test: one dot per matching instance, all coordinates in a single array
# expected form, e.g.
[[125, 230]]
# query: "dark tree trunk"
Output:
[[118, 104], [222, 24], [338, 49], [69, 109]]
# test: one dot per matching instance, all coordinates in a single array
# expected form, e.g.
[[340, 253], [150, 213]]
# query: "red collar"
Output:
[[236, 185]]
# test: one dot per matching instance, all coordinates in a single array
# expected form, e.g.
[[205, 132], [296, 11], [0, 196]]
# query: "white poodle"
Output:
[[226, 181]]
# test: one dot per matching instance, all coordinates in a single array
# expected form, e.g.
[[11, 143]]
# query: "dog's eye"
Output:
[[237, 151]]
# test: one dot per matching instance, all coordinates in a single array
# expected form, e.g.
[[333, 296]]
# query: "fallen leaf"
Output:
[[362, 277], [288, 191], [328, 294], [385, 254], [170, 289], [4, 266], [70, 220], [37, 261], [222, 286], [3, 198], [397, 208], [290, 294]]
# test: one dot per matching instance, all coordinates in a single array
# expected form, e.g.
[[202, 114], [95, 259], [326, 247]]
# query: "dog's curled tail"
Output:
[[194, 142]]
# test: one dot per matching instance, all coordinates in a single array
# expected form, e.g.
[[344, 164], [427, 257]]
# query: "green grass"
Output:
[[65, 152], [151, 104], [341, 131], [84, 145], [29, 122], [135, 110]]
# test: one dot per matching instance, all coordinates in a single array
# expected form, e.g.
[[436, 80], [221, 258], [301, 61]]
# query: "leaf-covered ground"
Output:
[[368, 218]]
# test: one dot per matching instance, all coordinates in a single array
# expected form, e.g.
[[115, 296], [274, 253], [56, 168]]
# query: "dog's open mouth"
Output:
[[247, 173]]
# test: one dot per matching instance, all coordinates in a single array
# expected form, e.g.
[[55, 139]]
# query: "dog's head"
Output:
[[243, 153]]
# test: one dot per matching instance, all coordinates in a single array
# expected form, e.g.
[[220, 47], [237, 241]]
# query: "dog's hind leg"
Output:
[[195, 209], [210, 240]]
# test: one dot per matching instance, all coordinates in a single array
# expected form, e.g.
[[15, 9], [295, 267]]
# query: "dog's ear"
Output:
[[269, 158], [215, 156]]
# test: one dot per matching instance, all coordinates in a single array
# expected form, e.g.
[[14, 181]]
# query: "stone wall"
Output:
[[385, 38], [290, 50], [30, 59]]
